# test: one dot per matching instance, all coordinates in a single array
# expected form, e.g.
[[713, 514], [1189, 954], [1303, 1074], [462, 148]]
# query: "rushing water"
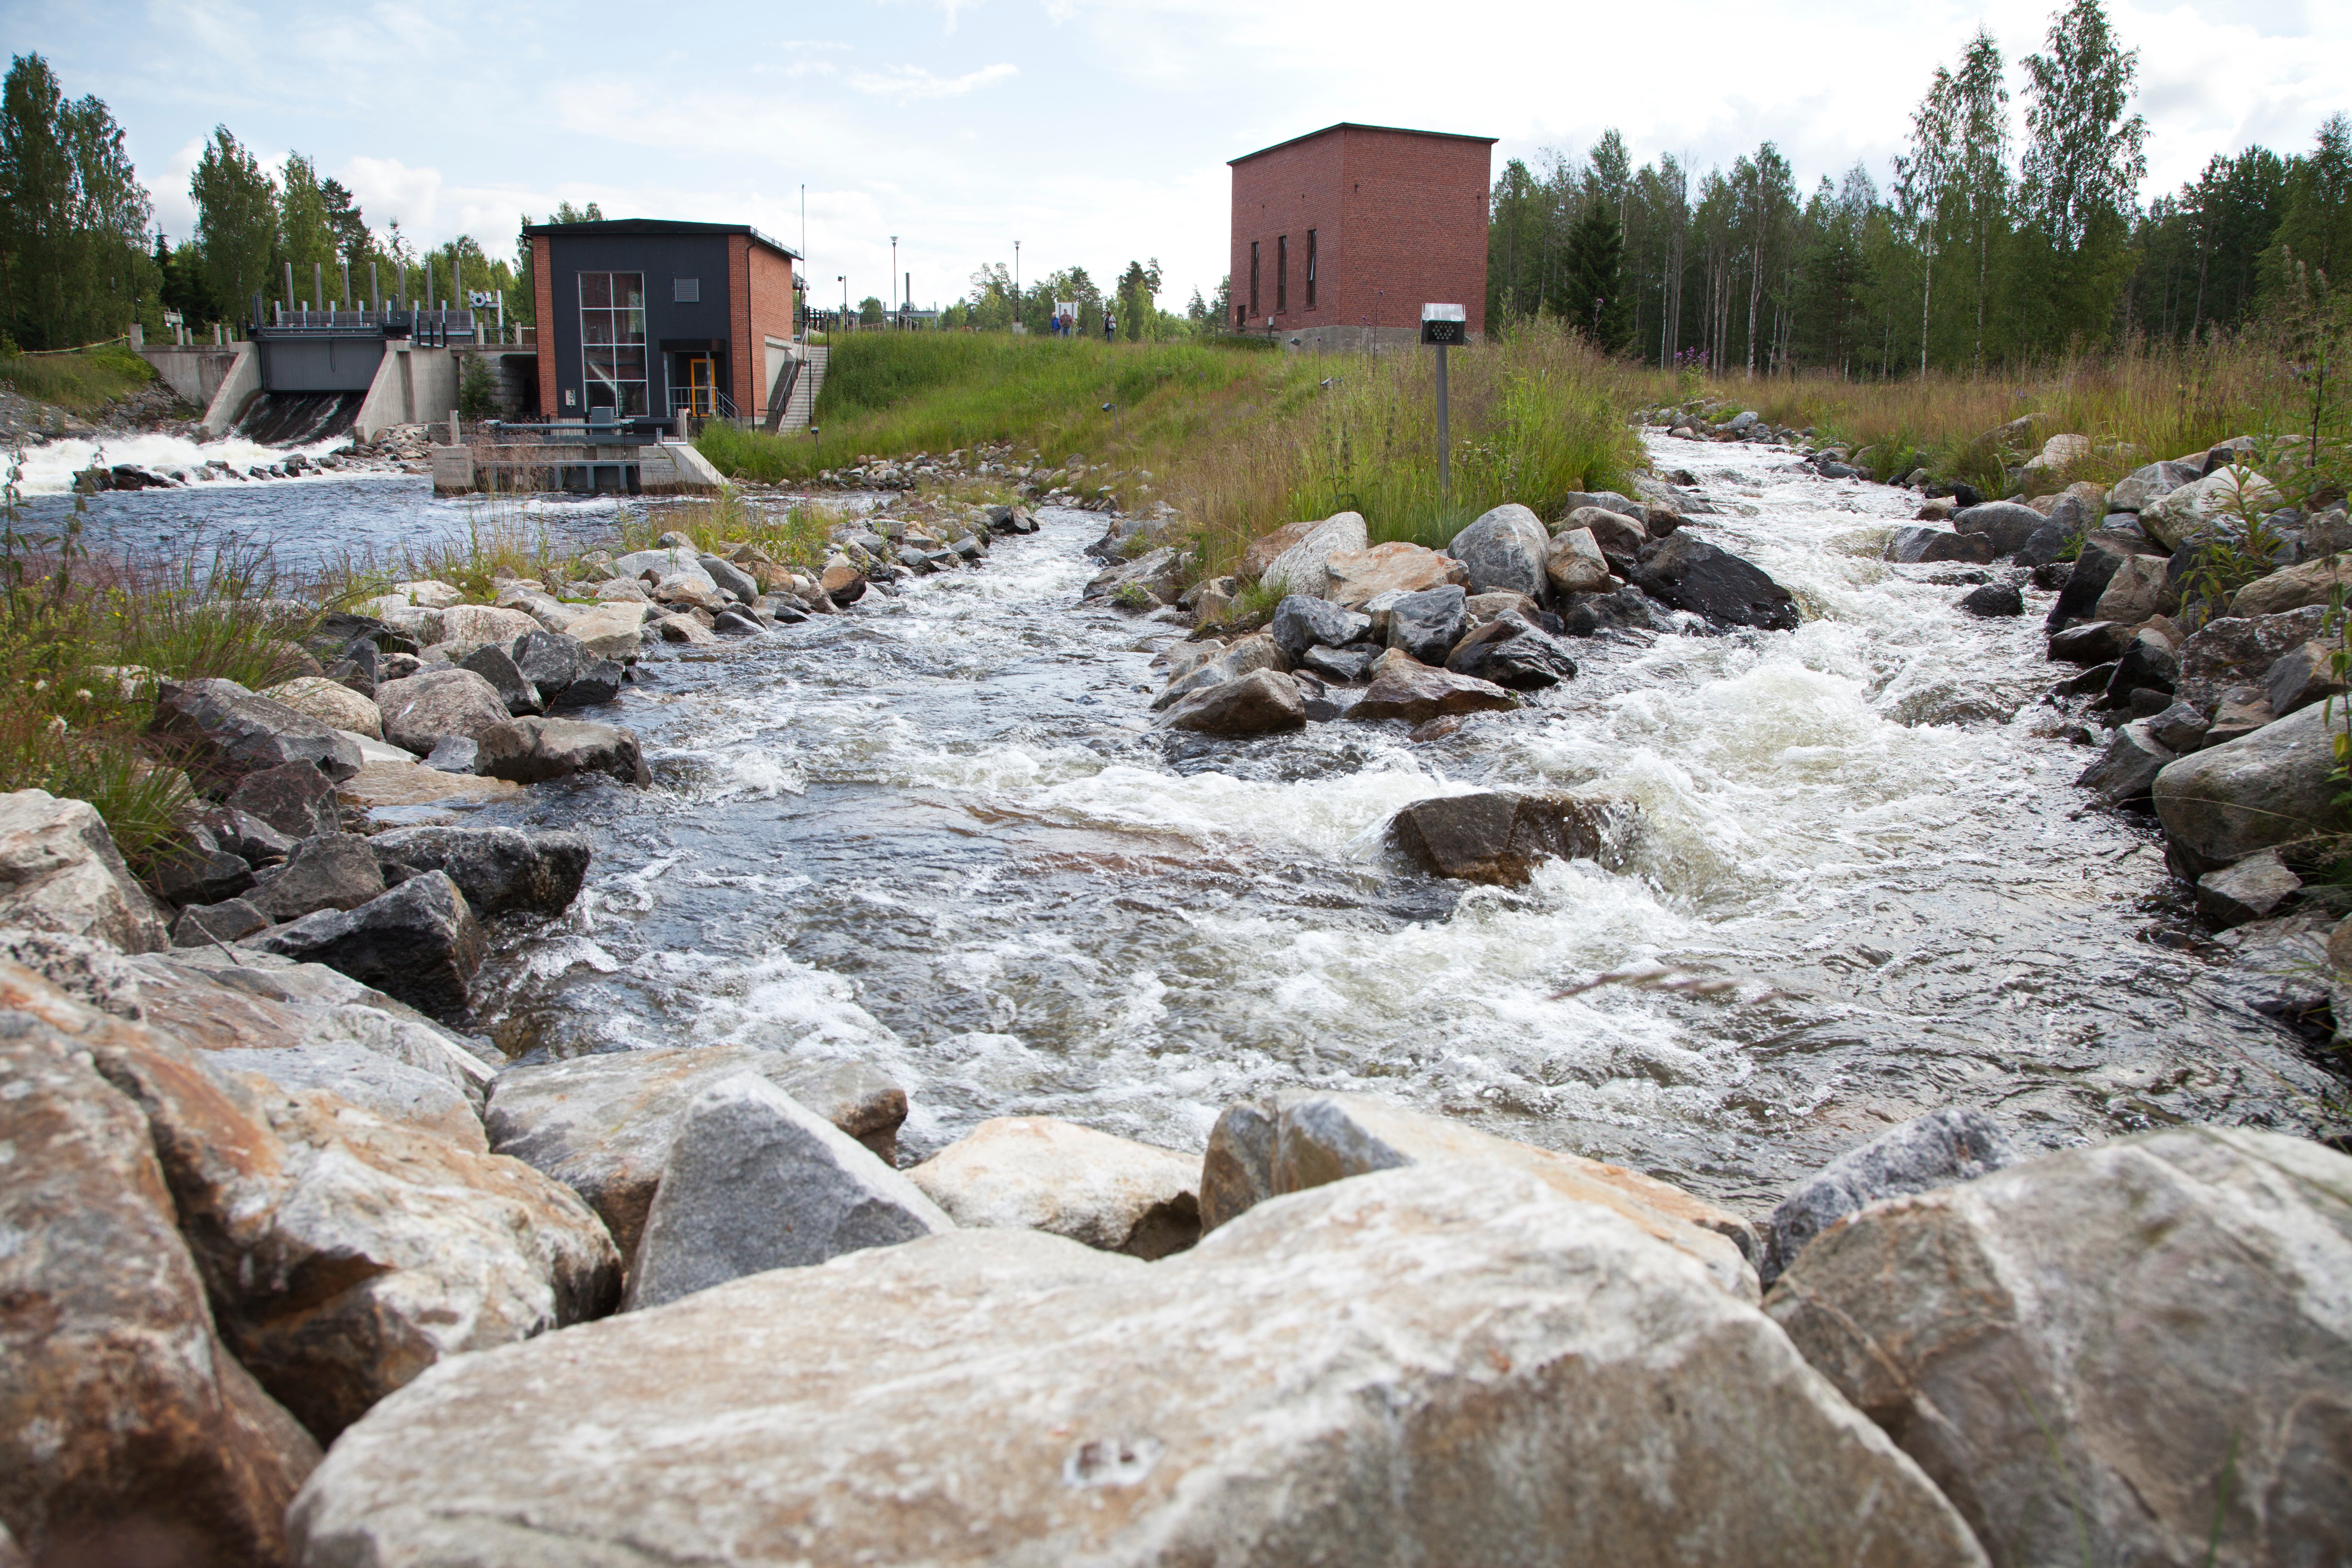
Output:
[[939, 834]]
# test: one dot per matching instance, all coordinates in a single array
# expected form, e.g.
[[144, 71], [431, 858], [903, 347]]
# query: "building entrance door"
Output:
[[698, 386]]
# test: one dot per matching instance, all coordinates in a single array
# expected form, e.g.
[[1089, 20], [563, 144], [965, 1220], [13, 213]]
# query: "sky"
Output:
[[1091, 131]]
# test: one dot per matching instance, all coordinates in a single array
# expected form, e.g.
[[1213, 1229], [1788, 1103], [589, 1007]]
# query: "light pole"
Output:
[[1016, 286], [844, 281], [894, 272], [1442, 327]]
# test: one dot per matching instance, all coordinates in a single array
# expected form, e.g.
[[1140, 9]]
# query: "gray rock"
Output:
[[500, 869], [2267, 788], [1993, 601], [455, 755], [1304, 564], [1039, 1172], [1513, 654], [2007, 523], [2137, 588], [220, 731], [1504, 549], [731, 580], [193, 868], [428, 707], [2179, 728], [204, 925], [1617, 535], [1627, 609], [334, 871], [1415, 693], [1687, 572], [548, 661], [1428, 624], [88, 969], [1301, 622], [530, 751], [2146, 664], [1258, 704], [1347, 665], [1237, 1171], [247, 837], [374, 1082], [296, 800], [2252, 889], [2135, 1354], [2048, 544], [1447, 1365], [603, 1125], [662, 563], [2144, 485], [59, 871], [2127, 771], [1938, 1150], [498, 667], [1913, 544], [2304, 674], [755, 1181], [419, 942], [2102, 554], [2239, 650], [596, 680], [1575, 562], [737, 622], [2087, 642], [1501, 838]]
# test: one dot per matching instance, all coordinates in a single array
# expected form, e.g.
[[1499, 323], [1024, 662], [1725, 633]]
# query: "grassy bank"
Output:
[[887, 393], [81, 383], [1240, 440], [2135, 405]]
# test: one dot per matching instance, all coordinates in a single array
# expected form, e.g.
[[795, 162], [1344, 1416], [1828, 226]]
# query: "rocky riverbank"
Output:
[[728, 1312]]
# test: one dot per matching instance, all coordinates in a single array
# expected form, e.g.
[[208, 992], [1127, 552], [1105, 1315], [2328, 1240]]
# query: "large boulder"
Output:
[[333, 871], [2005, 523], [1573, 563], [1513, 653], [2139, 1351], [346, 1253], [294, 798], [1320, 1137], [1619, 535], [2292, 588], [2272, 787], [2126, 771], [1913, 545], [432, 705], [603, 1125], [1687, 572], [1359, 576], [756, 1181], [2194, 513], [611, 631], [1038, 1172], [2141, 485], [2047, 470], [59, 871], [1501, 838], [533, 751], [500, 869], [1301, 622], [1505, 549], [1938, 1150], [128, 1432], [1304, 566], [1404, 688], [2101, 554], [1160, 572], [2238, 650], [1245, 655], [486, 624], [731, 579], [377, 1084], [1427, 623], [219, 732], [331, 702], [498, 667], [419, 942], [1447, 1364], [2136, 589], [1260, 702]]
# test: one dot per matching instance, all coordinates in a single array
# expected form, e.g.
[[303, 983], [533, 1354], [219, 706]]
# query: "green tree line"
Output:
[[1980, 250]]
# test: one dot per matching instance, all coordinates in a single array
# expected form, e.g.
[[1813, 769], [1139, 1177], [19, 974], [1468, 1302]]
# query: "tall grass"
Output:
[[1533, 415], [2141, 403], [892, 393], [83, 382], [85, 637]]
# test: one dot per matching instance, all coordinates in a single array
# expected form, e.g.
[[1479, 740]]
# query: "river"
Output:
[[938, 833]]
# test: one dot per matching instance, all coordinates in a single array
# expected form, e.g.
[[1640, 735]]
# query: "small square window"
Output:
[[685, 290]]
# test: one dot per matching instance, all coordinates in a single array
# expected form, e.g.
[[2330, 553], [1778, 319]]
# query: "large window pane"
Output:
[[596, 290]]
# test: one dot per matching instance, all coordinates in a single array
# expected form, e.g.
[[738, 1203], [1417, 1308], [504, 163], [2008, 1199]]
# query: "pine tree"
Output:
[[1592, 291], [2316, 229]]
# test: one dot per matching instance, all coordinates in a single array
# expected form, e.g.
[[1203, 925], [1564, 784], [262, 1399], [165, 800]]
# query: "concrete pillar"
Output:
[[453, 427], [319, 284], [288, 303]]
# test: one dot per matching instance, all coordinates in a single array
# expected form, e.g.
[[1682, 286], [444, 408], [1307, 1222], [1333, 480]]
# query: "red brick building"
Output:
[[1341, 236], [651, 319]]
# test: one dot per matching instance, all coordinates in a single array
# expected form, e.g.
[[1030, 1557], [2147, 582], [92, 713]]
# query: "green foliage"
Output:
[[73, 217], [477, 389], [82, 383], [1133, 596], [236, 222], [1592, 294]]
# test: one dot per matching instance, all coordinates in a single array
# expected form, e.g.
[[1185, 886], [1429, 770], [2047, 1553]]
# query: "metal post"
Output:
[[894, 267], [346, 283], [1445, 441], [319, 284], [376, 297], [290, 286], [1017, 285]]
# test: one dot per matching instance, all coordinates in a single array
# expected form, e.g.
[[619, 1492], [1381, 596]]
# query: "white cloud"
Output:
[[905, 84]]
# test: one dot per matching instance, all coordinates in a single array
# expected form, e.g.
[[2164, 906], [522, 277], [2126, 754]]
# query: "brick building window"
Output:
[[1254, 258], [1310, 269], [1281, 273]]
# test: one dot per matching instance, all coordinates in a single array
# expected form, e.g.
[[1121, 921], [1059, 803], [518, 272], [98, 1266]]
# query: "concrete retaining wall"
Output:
[[412, 386], [195, 371], [239, 385]]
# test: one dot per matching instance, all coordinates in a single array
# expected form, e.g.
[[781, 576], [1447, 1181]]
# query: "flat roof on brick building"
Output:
[[1355, 125]]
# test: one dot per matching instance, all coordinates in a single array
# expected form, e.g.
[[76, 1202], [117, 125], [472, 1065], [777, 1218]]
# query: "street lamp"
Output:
[[844, 281], [1443, 327], [894, 273], [1016, 286]]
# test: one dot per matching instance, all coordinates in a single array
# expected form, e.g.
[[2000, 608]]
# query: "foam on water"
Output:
[[940, 833]]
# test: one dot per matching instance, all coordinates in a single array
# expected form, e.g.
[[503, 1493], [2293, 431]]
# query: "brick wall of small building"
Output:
[[771, 297], [1400, 221], [542, 309]]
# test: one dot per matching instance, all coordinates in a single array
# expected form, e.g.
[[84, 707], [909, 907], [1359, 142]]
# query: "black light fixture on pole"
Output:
[[894, 272], [844, 281]]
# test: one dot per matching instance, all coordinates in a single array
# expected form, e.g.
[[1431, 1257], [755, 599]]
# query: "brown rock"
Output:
[[1575, 565], [2293, 587], [128, 1433], [1500, 838], [380, 784], [428, 707], [1358, 576], [1253, 704], [59, 871], [2235, 650], [1261, 551], [1418, 693], [1038, 1172]]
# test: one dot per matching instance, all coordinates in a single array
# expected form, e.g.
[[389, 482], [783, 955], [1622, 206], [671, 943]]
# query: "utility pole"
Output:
[[1017, 285], [844, 281], [894, 272]]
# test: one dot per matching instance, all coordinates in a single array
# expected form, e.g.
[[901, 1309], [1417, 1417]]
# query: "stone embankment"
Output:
[[296, 1270]]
